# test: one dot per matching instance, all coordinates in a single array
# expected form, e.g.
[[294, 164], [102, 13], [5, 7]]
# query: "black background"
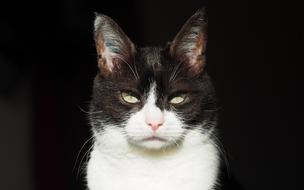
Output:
[[48, 62]]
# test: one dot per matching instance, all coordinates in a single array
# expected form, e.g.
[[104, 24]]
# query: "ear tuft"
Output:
[[98, 21], [189, 45]]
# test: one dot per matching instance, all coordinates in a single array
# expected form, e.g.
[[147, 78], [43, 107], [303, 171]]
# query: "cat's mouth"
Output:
[[154, 142], [154, 138]]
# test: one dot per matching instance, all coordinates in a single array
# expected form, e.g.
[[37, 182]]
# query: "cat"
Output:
[[153, 112]]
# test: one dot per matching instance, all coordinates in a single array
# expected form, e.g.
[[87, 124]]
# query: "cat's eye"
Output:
[[129, 98], [178, 99]]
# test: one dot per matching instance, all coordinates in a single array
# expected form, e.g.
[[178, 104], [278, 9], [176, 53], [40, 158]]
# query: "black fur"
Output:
[[175, 68], [143, 66], [106, 91]]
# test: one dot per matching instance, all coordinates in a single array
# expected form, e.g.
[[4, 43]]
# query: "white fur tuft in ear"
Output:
[[97, 21]]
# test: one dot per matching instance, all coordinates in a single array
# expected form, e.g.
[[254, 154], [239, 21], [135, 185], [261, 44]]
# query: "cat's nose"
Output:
[[154, 117], [155, 123]]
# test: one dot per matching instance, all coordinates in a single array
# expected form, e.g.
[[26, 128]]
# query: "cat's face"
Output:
[[152, 97]]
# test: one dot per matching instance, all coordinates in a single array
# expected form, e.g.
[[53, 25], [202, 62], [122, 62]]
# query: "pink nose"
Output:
[[155, 124]]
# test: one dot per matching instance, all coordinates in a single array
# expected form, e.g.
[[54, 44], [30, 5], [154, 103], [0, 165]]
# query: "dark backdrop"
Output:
[[48, 61]]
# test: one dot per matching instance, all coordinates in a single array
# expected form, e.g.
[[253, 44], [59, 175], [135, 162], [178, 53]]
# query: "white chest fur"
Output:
[[193, 166]]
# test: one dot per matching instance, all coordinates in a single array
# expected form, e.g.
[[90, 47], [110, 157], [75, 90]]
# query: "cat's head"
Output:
[[152, 97]]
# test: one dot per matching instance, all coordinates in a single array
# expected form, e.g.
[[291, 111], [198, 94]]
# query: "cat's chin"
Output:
[[152, 143]]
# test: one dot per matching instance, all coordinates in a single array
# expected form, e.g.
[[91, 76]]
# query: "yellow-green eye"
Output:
[[127, 97], [177, 99]]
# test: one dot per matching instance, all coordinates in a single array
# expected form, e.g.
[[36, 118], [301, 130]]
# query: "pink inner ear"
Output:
[[189, 44], [120, 50], [107, 56], [190, 50], [195, 54]]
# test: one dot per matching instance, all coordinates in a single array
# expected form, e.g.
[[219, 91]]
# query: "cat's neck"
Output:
[[194, 165]]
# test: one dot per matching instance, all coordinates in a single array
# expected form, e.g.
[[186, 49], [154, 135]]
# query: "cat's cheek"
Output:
[[137, 131], [141, 135], [136, 128], [174, 124]]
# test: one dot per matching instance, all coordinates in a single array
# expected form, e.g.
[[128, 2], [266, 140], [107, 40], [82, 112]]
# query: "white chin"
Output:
[[153, 144]]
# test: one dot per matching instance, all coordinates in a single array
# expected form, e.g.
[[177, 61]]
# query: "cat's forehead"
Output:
[[152, 68], [152, 65], [151, 57], [155, 67]]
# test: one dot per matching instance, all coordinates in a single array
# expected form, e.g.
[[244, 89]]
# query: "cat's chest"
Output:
[[185, 170]]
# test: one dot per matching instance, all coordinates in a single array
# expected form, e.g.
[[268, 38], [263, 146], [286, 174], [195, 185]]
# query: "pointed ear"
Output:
[[112, 44], [189, 45]]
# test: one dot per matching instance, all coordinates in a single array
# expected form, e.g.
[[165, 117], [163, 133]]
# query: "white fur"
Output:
[[123, 160], [137, 129]]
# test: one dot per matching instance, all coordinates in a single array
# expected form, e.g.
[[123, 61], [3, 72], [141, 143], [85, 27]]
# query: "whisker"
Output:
[[214, 110], [88, 112], [175, 72], [80, 164], [133, 72], [218, 144], [176, 143], [80, 151]]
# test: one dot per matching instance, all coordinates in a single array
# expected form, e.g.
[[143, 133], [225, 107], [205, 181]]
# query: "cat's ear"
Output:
[[189, 45], [112, 44]]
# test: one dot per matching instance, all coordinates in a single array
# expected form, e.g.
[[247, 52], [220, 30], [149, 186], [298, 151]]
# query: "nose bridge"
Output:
[[153, 113]]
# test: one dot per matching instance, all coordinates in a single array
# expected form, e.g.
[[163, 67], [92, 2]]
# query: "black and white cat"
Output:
[[153, 112]]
